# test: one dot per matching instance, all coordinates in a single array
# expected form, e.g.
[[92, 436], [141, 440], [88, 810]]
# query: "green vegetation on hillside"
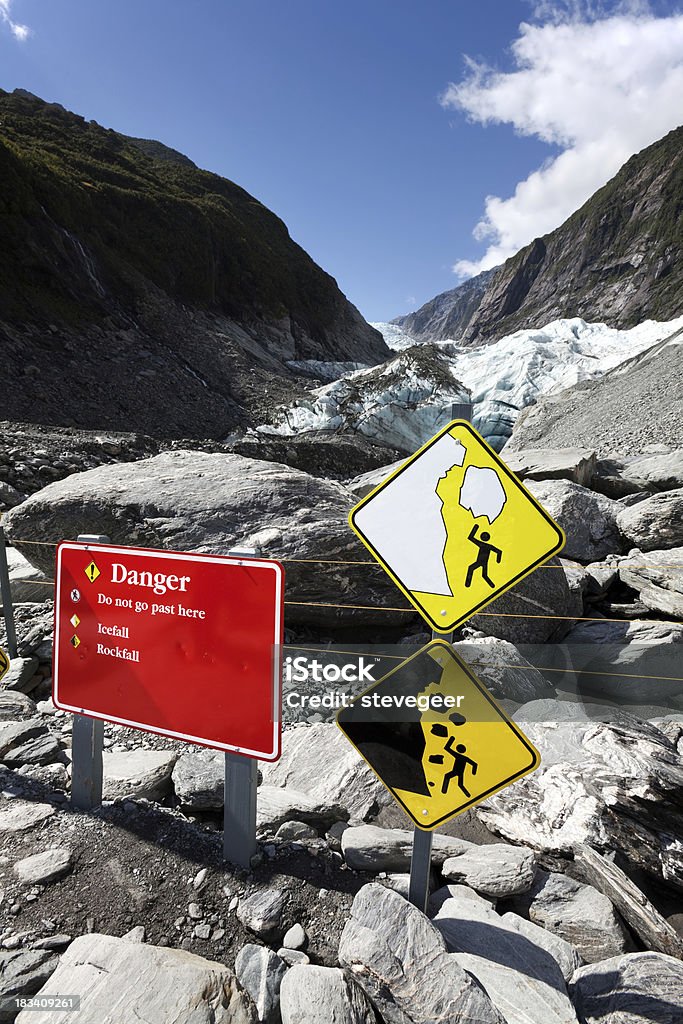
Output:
[[143, 219]]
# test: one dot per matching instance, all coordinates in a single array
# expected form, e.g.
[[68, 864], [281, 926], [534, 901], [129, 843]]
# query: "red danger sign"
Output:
[[188, 646]]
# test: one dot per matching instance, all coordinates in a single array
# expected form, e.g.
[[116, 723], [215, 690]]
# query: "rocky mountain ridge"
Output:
[[617, 259], [141, 293]]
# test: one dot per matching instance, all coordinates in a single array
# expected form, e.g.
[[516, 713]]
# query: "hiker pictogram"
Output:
[[460, 761], [483, 556]]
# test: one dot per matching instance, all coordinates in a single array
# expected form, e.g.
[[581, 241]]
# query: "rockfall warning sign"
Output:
[[454, 527], [436, 737]]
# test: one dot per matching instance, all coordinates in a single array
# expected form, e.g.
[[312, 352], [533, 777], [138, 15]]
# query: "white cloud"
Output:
[[600, 86], [20, 32]]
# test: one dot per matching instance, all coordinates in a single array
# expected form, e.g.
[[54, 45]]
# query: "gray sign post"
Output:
[[241, 781], [421, 860], [87, 740]]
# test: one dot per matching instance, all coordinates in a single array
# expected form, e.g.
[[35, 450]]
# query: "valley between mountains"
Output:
[[234, 398]]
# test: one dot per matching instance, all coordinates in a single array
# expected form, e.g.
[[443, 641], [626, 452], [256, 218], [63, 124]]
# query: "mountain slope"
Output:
[[637, 404], [617, 259], [141, 293]]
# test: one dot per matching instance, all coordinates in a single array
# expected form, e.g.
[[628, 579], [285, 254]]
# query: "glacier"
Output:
[[400, 403], [507, 375], [404, 401]]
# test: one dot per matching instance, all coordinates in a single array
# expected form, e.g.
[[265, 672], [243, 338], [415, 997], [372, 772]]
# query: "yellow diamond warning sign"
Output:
[[454, 527], [75, 621], [4, 663], [435, 736], [75, 642], [92, 572]]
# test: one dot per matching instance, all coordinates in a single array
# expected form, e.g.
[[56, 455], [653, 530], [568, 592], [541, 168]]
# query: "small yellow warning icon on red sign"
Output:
[[92, 572], [75, 642], [75, 621]]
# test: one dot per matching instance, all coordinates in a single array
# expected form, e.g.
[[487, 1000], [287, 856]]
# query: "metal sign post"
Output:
[[240, 793], [239, 809], [87, 740], [421, 860], [6, 594]]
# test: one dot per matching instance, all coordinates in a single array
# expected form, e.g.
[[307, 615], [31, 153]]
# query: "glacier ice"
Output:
[[401, 403], [510, 374]]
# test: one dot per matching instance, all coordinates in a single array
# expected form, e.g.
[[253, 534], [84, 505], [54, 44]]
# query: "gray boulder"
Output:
[[656, 523], [658, 578], [370, 848], [320, 761], [578, 913], [615, 785], [137, 773], [195, 501], [27, 742], [126, 981], [260, 971], [633, 662], [199, 779], [438, 898], [22, 815], [21, 675], [9, 496], [504, 671], [45, 867], [617, 477], [567, 956], [277, 804], [589, 520], [497, 870], [400, 960], [23, 973], [26, 583], [262, 912], [639, 988], [14, 703], [539, 608], [323, 995], [521, 978], [575, 464]]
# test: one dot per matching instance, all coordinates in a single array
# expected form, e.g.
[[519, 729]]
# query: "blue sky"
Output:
[[381, 131]]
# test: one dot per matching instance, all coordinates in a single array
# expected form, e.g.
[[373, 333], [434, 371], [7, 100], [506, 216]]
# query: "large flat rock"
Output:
[[640, 988], [201, 502], [400, 959], [520, 976], [575, 464], [123, 982], [655, 523]]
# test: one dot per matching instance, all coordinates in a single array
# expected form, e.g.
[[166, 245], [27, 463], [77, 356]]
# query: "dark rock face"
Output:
[[141, 293], [614, 260]]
